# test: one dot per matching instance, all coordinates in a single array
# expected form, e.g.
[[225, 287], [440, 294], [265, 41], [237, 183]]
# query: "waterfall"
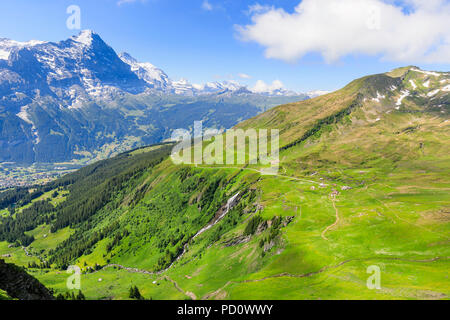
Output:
[[228, 206]]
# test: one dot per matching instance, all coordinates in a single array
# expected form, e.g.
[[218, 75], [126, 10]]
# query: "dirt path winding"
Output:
[[186, 293], [333, 199]]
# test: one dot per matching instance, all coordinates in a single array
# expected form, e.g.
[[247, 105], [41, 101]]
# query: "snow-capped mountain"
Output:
[[217, 86], [7, 45], [153, 76], [158, 79], [78, 98], [84, 67], [71, 71]]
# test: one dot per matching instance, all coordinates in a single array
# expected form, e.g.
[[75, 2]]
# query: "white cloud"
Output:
[[257, 8], [206, 5], [261, 86], [122, 2], [244, 76], [412, 31]]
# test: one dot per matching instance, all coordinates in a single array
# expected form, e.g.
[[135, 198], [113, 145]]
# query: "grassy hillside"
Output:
[[363, 181]]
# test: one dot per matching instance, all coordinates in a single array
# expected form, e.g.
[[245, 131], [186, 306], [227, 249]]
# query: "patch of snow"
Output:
[[13, 43], [446, 88], [4, 55], [432, 93], [152, 71], [230, 85], [413, 84], [405, 93], [147, 72], [32, 43], [23, 114], [431, 73], [377, 119], [182, 86], [85, 37], [7, 45], [426, 84], [379, 96]]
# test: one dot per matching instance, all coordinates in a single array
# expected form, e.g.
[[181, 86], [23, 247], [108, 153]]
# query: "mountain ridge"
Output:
[[77, 100], [152, 77]]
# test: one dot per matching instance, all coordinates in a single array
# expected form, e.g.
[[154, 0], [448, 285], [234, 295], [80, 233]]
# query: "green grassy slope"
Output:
[[363, 181]]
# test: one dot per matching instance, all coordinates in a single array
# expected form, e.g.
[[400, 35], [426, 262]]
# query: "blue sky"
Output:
[[218, 40]]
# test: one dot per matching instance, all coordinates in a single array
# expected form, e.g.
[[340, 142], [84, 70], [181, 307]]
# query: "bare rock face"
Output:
[[20, 285]]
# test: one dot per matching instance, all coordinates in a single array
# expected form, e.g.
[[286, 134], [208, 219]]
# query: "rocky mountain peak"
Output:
[[86, 37]]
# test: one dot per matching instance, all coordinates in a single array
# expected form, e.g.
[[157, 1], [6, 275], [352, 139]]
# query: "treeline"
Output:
[[90, 189], [42, 265], [12, 229], [19, 197], [93, 188], [78, 244]]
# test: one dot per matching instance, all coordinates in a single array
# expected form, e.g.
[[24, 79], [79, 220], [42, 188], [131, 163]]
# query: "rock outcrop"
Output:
[[20, 285]]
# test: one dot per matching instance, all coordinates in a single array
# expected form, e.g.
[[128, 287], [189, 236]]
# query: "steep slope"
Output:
[[363, 182]]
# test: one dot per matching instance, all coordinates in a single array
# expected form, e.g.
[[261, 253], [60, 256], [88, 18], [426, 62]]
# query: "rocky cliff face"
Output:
[[20, 285]]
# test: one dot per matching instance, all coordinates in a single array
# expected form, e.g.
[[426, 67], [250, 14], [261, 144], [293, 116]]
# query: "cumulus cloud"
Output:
[[206, 5], [261, 86], [403, 31]]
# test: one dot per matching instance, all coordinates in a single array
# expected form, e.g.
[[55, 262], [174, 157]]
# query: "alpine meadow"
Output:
[[347, 198]]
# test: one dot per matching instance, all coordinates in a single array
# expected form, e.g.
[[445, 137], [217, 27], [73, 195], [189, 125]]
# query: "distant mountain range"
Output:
[[78, 99]]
